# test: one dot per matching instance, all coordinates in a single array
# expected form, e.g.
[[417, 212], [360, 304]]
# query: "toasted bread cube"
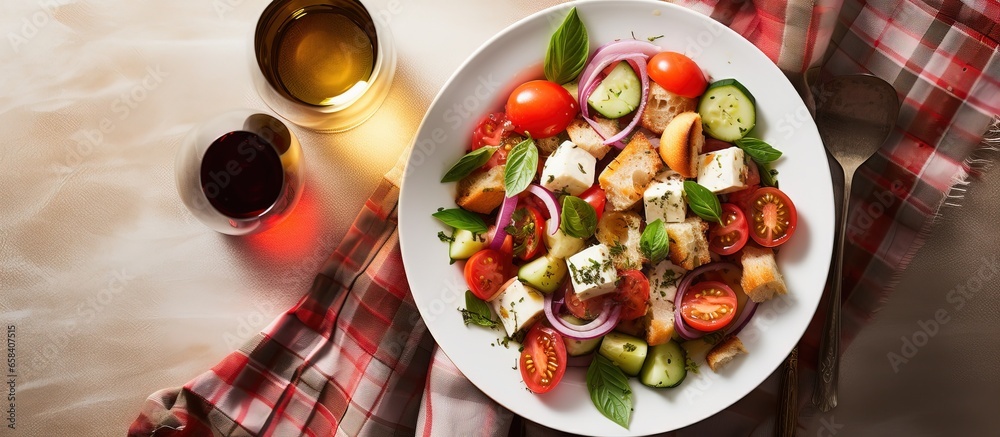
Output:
[[659, 319], [628, 176], [482, 191], [761, 279], [584, 135], [688, 244]]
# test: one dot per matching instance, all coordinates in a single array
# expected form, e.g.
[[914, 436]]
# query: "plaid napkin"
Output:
[[354, 358]]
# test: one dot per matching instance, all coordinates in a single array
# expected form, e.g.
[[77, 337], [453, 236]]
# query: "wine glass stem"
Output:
[[825, 396]]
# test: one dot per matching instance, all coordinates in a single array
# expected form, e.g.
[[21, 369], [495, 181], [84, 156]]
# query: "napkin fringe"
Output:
[[979, 161]]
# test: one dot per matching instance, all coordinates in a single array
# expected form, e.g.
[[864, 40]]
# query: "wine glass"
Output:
[[240, 172]]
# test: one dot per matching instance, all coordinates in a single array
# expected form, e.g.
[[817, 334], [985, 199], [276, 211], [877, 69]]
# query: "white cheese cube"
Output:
[[665, 201], [592, 272], [570, 169], [561, 245], [518, 306], [723, 171], [663, 280]]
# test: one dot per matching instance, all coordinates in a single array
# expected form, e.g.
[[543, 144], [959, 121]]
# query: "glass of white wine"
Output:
[[325, 65]]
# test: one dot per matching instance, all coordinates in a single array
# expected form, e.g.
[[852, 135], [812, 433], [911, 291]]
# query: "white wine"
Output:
[[315, 51]]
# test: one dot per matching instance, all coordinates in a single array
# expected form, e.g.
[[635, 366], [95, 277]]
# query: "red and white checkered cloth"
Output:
[[354, 358]]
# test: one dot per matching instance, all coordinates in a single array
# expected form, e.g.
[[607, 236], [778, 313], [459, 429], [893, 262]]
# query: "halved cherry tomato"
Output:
[[585, 309], [772, 217], [543, 360], [678, 74], [632, 294], [541, 108], [708, 306], [730, 236], [485, 272], [527, 225], [490, 130], [596, 197]]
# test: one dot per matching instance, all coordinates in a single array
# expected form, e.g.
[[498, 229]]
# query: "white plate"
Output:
[[482, 84]]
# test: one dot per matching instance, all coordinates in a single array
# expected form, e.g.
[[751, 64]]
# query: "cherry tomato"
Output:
[[527, 225], [677, 73], [632, 294], [543, 360], [541, 108], [490, 130], [772, 217], [708, 306], [730, 236], [485, 272], [742, 197], [585, 309], [596, 197]]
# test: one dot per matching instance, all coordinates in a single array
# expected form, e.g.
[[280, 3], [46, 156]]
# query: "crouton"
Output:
[[628, 176], [585, 136], [724, 352], [548, 145], [681, 144], [688, 245], [620, 231], [482, 191], [659, 319], [761, 280], [631, 327], [662, 106]]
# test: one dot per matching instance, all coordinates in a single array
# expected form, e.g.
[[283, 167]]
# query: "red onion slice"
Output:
[[551, 203], [602, 325], [744, 318], [636, 53], [503, 220]]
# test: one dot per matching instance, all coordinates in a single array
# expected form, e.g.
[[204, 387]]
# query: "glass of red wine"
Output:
[[240, 172]]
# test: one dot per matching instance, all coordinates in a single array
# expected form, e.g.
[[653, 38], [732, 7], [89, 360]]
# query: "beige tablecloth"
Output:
[[113, 290]]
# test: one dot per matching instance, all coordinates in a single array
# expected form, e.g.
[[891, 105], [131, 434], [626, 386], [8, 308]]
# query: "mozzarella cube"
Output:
[[518, 306], [663, 280], [570, 169], [592, 272], [665, 201], [723, 171]]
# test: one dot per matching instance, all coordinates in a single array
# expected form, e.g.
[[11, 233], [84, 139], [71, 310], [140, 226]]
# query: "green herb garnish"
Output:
[[469, 163], [758, 150], [703, 202], [461, 219], [609, 390], [568, 50], [768, 176], [522, 162], [655, 243], [477, 312], [578, 219]]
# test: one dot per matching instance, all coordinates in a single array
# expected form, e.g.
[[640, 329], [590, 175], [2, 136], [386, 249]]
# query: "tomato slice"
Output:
[[541, 108], [730, 236], [708, 306], [543, 360], [490, 130], [772, 217], [677, 73], [596, 197], [585, 309], [485, 272], [632, 294], [527, 225]]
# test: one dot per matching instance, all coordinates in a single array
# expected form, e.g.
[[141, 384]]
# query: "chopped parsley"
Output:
[[629, 347], [580, 166], [691, 366], [444, 237]]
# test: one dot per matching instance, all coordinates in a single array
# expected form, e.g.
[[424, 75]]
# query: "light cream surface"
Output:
[[117, 291]]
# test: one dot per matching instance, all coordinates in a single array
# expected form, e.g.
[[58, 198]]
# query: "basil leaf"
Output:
[[759, 151], [578, 219], [522, 163], [459, 218], [703, 202], [477, 312], [768, 176], [609, 390], [568, 50], [468, 164], [655, 243]]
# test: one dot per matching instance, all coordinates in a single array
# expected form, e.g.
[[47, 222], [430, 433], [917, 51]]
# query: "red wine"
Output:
[[241, 175]]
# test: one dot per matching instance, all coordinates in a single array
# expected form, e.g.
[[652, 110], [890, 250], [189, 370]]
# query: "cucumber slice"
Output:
[[626, 351], [727, 110], [545, 273], [561, 245], [575, 348], [465, 244], [664, 366], [618, 94]]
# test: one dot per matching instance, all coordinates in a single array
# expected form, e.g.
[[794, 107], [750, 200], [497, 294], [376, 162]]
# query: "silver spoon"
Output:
[[855, 115]]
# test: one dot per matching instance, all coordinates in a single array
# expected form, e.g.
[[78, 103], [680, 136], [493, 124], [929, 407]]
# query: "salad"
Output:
[[619, 215]]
